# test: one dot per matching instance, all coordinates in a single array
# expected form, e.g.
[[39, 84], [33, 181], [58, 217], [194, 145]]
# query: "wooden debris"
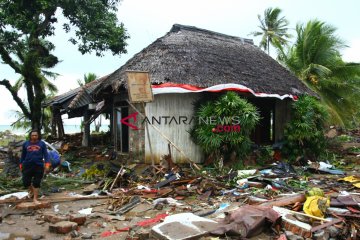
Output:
[[328, 224], [288, 200]]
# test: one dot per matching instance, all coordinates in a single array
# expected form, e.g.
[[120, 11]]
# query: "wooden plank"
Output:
[[314, 229]]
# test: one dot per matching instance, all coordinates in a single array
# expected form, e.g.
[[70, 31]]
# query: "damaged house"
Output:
[[184, 65]]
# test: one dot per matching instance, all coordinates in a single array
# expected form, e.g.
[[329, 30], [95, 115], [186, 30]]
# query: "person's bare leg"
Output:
[[31, 192], [36, 195]]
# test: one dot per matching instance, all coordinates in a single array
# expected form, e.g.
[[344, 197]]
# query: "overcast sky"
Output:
[[147, 20]]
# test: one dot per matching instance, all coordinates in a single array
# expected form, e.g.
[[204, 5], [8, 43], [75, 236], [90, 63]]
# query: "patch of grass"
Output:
[[354, 150], [344, 138], [8, 184], [297, 184], [69, 183]]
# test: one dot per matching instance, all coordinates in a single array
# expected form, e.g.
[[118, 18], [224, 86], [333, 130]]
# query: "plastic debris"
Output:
[[316, 206], [85, 211]]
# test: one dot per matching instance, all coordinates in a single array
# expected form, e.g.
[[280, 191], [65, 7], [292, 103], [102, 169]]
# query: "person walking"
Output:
[[33, 162]]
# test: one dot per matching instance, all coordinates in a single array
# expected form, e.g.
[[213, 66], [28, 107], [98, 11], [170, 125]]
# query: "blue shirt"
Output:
[[34, 153]]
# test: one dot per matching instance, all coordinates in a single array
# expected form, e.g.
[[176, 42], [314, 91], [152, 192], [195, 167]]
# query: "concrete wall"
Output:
[[172, 105]]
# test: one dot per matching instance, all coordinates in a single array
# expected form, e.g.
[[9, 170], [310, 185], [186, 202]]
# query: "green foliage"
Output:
[[229, 110], [264, 154], [344, 138], [9, 185], [304, 134], [273, 29], [315, 58], [25, 27], [24, 123], [89, 77], [94, 173]]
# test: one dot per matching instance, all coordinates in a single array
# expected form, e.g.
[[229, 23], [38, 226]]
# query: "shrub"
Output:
[[304, 134], [230, 110]]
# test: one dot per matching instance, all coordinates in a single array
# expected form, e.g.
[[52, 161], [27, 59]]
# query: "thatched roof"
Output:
[[76, 98], [189, 55]]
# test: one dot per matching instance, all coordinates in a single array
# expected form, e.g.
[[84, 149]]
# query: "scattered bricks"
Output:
[[306, 234], [63, 227], [32, 205], [297, 229], [80, 219], [290, 223], [52, 218]]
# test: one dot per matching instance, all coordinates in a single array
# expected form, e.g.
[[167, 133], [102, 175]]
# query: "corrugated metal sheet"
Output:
[[172, 105]]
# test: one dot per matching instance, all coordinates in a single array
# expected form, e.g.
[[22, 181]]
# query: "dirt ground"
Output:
[[30, 226]]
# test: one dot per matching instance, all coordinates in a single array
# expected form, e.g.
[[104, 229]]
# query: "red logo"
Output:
[[33, 148], [133, 116]]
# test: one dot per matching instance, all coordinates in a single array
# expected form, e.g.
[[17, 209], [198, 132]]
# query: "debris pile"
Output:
[[102, 195]]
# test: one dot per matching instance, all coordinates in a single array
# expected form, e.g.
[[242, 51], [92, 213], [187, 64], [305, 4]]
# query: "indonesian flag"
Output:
[[186, 88]]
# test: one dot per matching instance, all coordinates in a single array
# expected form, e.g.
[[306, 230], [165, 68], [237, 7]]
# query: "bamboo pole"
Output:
[[116, 178]]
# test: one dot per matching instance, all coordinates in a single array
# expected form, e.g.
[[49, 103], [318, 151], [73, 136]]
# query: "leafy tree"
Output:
[[315, 58], [305, 133], [228, 110], [273, 29], [25, 26]]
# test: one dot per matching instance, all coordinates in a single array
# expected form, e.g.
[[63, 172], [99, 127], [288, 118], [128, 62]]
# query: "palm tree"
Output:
[[315, 58], [273, 29], [22, 122], [50, 89], [87, 79]]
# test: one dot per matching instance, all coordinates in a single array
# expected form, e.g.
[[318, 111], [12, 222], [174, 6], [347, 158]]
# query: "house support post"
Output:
[[86, 133]]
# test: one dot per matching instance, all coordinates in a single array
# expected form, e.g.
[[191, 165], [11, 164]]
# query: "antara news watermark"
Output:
[[221, 124]]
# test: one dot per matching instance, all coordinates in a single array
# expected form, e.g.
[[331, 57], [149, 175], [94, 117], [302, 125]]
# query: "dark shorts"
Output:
[[32, 175]]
